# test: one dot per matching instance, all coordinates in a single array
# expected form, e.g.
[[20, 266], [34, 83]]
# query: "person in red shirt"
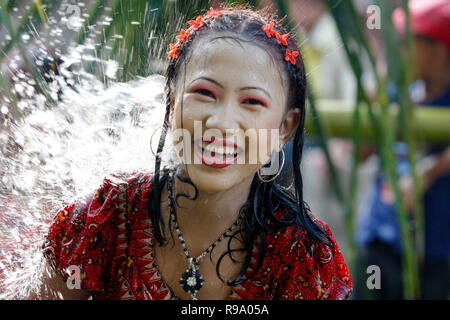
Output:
[[216, 225]]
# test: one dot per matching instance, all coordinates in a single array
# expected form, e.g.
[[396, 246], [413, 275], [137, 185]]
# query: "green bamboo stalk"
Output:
[[430, 123], [11, 4], [15, 38], [133, 52], [123, 50], [350, 26], [103, 38], [398, 73], [351, 203], [2, 80], [32, 12], [32, 16], [388, 162], [348, 30], [43, 19], [5, 90], [409, 68], [94, 13]]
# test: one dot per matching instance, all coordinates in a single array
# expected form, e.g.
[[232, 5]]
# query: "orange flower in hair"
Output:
[[290, 56], [282, 38], [174, 50], [214, 13], [269, 29], [196, 24], [183, 35]]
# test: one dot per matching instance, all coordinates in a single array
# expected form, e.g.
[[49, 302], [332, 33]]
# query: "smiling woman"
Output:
[[227, 89], [234, 75]]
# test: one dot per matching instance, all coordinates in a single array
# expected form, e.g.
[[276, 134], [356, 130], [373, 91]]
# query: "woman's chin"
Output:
[[215, 180]]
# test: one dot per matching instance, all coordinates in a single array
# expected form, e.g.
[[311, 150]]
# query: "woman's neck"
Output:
[[203, 220]]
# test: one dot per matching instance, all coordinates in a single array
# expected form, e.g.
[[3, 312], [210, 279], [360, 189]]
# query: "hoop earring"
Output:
[[277, 174], [151, 140]]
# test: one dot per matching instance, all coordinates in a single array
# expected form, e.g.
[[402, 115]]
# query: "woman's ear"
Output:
[[289, 124]]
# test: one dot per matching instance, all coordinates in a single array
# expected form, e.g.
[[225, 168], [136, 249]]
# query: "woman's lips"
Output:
[[209, 151]]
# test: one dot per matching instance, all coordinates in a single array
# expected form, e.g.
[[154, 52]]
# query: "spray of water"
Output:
[[52, 156]]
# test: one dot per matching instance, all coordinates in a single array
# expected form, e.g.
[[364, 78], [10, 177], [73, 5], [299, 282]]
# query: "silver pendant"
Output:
[[191, 280]]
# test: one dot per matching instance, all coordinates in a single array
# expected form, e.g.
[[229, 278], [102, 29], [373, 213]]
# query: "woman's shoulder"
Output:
[[125, 180], [314, 268], [87, 233], [293, 241], [126, 186]]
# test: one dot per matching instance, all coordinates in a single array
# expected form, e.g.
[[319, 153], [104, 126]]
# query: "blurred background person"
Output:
[[378, 232]]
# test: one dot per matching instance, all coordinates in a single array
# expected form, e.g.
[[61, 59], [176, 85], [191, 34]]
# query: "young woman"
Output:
[[216, 226]]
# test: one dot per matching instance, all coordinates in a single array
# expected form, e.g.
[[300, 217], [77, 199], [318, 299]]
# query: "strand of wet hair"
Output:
[[157, 182]]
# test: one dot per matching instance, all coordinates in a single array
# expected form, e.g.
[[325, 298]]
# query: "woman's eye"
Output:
[[253, 101], [205, 92]]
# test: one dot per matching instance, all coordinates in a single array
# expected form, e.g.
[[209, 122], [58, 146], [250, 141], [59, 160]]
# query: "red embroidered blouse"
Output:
[[110, 238]]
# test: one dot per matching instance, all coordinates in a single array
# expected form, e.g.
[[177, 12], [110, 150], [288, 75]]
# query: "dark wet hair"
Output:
[[264, 198]]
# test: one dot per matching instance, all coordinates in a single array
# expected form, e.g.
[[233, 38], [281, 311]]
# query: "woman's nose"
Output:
[[222, 117]]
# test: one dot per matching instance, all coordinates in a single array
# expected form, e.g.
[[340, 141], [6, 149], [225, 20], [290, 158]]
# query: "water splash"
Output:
[[54, 155]]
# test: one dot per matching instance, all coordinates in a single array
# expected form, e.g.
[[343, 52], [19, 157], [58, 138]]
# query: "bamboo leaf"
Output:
[[30, 66]]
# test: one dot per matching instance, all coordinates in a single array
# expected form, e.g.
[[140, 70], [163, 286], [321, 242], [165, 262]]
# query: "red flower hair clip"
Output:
[[183, 35], [290, 56], [196, 24], [282, 38], [214, 13], [174, 50], [269, 29]]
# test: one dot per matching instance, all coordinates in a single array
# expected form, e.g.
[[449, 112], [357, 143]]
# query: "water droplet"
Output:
[[25, 37]]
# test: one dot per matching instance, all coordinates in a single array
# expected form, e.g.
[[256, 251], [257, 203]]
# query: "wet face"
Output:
[[231, 104]]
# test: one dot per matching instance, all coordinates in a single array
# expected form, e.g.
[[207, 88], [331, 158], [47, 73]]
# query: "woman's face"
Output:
[[229, 89]]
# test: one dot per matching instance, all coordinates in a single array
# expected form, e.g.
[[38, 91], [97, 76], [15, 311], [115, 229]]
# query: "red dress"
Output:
[[110, 238]]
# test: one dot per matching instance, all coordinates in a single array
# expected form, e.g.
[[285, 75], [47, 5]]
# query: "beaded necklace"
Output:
[[191, 280]]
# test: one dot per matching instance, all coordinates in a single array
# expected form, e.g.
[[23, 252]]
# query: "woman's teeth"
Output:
[[220, 150]]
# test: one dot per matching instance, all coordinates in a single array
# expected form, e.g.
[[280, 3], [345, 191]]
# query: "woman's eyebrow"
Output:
[[243, 88], [256, 88], [208, 79]]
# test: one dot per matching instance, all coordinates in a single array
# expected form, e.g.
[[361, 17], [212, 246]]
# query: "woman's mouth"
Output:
[[216, 153]]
